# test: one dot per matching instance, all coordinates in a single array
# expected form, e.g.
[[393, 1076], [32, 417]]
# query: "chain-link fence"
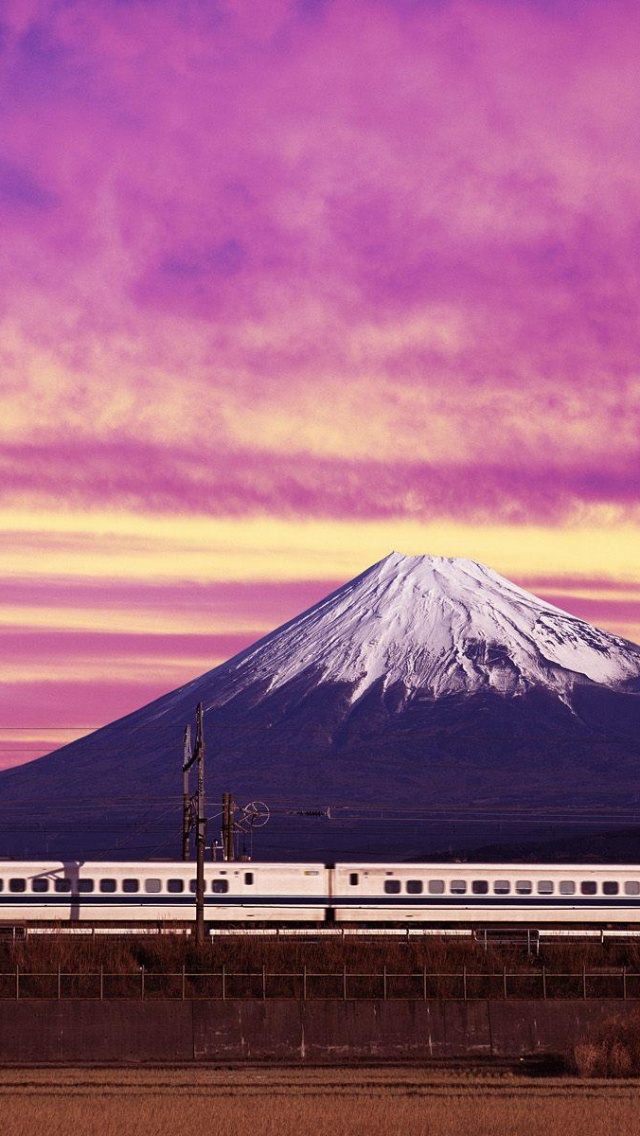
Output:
[[306, 984]]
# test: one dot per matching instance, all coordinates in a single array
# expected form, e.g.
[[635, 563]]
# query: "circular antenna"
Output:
[[255, 815]]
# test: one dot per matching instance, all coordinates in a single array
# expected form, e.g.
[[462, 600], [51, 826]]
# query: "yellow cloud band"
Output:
[[151, 548]]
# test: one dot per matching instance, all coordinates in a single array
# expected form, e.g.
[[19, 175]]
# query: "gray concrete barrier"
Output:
[[295, 1031]]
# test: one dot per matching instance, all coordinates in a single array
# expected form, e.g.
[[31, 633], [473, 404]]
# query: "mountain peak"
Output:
[[440, 626]]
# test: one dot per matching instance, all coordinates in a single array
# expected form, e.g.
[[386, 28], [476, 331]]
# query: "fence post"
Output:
[[464, 983], [304, 983], [624, 982], [504, 982], [424, 983], [584, 982], [344, 982], [544, 982], [184, 981], [264, 982], [224, 982], [142, 982], [384, 983], [59, 983], [17, 982], [102, 982]]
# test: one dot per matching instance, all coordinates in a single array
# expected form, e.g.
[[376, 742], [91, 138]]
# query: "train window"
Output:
[[248, 877], [545, 887], [219, 887], [435, 887], [610, 887], [632, 887], [17, 885], [130, 886], [392, 887], [107, 886], [62, 883], [40, 884], [479, 887], [192, 886], [501, 887], [588, 887], [1, 885], [152, 886], [353, 879], [524, 887], [174, 887], [414, 887], [85, 885], [458, 887], [567, 887]]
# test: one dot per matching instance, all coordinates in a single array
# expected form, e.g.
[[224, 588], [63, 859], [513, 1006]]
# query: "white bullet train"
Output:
[[161, 895]]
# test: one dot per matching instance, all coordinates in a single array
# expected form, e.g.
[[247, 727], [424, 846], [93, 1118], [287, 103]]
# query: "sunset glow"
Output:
[[286, 286]]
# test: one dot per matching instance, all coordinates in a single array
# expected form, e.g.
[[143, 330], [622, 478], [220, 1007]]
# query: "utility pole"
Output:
[[186, 798], [228, 810], [201, 822], [225, 826], [201, 830]]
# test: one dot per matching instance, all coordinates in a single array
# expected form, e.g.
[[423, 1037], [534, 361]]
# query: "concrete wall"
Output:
[[294, 1031]]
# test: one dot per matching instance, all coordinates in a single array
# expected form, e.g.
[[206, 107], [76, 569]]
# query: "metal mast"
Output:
[[228, 811], [186, 797], [201, 820], [201, 830]]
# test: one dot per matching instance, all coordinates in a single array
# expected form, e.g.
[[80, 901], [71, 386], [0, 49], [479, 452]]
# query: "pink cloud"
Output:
[[70, 647], [222, 204], [271, 601], [359, 260], [156, 478]]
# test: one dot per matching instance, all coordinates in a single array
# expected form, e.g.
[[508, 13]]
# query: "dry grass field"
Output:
[[321, 1102], [164, 953]]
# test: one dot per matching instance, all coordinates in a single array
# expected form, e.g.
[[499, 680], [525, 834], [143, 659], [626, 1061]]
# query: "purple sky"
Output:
[[285, 285]]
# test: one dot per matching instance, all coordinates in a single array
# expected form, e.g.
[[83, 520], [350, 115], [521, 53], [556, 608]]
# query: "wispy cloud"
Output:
[[283, 285], [222, 225], [165, 479]]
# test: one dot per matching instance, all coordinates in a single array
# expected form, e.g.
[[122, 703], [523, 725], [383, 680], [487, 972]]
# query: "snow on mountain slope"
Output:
[[437, 625]]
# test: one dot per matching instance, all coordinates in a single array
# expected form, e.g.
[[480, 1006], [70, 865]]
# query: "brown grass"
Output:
[[287, 1102], [613, 1052], [170, 953], [41, 956], [162, 955]]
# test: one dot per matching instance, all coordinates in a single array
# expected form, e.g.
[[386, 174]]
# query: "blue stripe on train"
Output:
[[41, 900]]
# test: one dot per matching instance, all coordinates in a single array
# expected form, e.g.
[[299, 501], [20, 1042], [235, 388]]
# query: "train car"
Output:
[[160, 893], [448, 895]]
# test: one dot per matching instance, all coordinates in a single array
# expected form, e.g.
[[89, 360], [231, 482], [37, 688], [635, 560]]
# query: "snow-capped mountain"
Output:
[[426, 688], [439, 626]]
